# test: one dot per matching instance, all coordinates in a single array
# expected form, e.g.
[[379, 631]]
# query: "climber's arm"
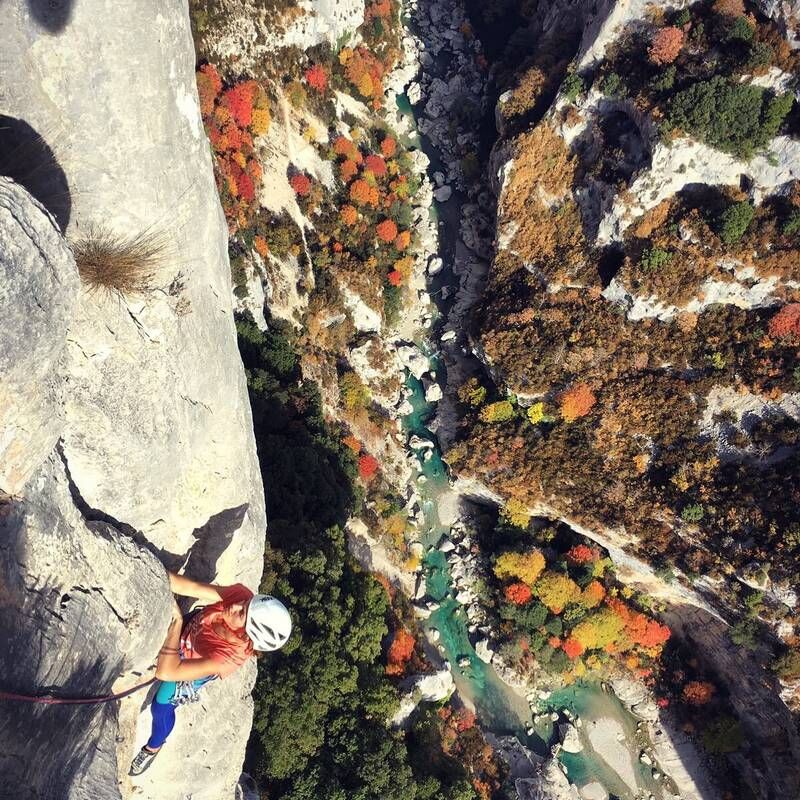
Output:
[[170, 667], [186, 587]]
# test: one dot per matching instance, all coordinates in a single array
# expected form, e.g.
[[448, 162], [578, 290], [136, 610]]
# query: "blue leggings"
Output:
[[163, 707], [163, 715]]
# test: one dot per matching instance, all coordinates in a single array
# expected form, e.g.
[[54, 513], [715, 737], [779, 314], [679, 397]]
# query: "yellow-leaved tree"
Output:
[[525, 567]]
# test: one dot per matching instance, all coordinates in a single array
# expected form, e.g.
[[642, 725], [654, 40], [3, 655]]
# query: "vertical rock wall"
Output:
[[144, 398]]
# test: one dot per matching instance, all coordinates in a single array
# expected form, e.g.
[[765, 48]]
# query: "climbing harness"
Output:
[[49, 700]]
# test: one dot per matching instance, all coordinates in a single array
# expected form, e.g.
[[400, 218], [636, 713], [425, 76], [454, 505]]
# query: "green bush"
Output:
[[734, 221], [723, 735], [745, 634], [740, 30], [693, 512], [572, 86], [666, 80], [792, 224], [612, 85], [737, 118], [761, 55], [787, 666], [683, 17], [654, 259]]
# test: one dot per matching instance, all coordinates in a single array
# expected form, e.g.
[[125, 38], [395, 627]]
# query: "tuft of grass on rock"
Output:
[[113, 261]]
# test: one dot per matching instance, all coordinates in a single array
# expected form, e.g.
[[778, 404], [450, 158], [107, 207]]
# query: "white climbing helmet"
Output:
[[268, 622]]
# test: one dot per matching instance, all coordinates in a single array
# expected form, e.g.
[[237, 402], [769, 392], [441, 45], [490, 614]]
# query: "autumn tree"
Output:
[[518, 593], [348, 215], [665, 45], [501, 411], [317, 77], [400, 652], [786, 323], [577, 402], [387, 231], [367, 466], [557, 591], [698, 693], [525, 567], [301, 184]]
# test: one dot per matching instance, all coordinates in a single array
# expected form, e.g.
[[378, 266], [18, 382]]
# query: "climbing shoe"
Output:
[[144, 758]]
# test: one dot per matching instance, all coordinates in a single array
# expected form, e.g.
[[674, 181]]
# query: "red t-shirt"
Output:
[[200, 640]]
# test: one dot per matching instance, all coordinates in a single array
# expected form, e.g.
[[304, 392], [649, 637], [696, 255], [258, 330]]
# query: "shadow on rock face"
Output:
[[210, 542], [28, 160], [52, 15], [46, 749]]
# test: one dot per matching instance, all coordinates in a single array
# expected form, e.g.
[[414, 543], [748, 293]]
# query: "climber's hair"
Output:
[[126, 263]]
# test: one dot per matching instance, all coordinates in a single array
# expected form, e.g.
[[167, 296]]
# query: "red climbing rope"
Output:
[[49, 700]]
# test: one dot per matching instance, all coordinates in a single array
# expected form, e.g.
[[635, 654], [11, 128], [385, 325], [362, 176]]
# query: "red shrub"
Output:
[[301, 184], [375, 164], [786, 323], [239, 101], [367, 466], [317, 77], [395, 277], [518, 593]]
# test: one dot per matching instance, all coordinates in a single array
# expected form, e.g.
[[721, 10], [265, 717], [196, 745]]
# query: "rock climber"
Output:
[[210, 642]]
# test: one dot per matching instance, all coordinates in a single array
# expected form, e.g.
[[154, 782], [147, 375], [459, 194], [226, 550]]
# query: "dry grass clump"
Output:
[[538, 200], [119, 262]]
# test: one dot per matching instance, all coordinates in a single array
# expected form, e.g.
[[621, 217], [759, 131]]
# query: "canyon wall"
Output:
[[126, 433]]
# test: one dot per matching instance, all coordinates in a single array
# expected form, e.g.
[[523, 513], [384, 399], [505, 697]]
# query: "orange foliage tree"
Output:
[[348, 215], [387, 231], [518, 593], [375, 164], [698, 693], [403, 240], [209, 85], [577, 402], [593, 595], [572, 647], [388, 147], [361, 193], [301, 184], [400, 652], [665, 45]]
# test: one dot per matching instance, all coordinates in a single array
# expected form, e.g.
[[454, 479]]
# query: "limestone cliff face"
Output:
[[125, 430]]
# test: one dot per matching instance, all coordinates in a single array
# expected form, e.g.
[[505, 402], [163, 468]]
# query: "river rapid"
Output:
[[441, 111]]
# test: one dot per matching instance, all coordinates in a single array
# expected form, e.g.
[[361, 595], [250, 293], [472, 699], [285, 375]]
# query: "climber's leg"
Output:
[[163, 715], [163, 722]]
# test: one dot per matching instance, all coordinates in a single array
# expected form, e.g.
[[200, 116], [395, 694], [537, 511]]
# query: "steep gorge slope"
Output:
[[642, 378], [144, 445]]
